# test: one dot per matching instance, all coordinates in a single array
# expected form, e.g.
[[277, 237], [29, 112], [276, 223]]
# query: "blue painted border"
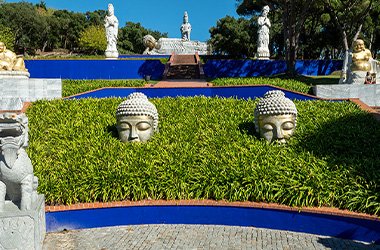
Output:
[[95, 69], [244, 92], [320, 224]]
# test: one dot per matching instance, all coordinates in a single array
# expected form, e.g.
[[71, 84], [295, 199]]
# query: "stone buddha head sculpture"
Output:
[[275, 117], [137, 118]]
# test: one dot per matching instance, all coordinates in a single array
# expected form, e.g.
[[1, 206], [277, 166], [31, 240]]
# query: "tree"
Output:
[[234, 37], [68, 28], [92, 40], [26, 25], [7, 37], [131, 37], [96, 17]]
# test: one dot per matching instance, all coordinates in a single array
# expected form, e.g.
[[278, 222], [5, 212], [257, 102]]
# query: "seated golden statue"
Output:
[[9, 60]]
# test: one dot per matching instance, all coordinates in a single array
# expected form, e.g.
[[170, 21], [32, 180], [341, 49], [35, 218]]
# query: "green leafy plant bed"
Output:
[[206, 149], [282, 83], [72, 87]]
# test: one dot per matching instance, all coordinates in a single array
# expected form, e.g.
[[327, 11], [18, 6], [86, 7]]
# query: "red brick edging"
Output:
[[247, 204]]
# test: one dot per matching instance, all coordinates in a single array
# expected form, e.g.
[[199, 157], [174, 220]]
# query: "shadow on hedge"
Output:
[[351, 141]]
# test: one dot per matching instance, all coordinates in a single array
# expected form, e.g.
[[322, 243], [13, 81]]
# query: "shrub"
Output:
[[72, 87], [206, 149], [282, 83]]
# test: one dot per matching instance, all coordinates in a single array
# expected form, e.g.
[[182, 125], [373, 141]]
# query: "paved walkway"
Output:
[[193, 237], [193, 83]]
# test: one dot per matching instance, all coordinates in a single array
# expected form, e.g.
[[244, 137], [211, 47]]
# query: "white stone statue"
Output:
[[112, 27], [275, 117], [167, 46], [263, 34], [17, 182], [185, 28]]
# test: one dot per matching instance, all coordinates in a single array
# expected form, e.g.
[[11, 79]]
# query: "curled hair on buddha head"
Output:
[[138, 104], [274, 103]]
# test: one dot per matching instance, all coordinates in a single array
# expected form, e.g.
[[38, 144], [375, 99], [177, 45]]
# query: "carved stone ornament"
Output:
[[137, 118], [17, 182], [275, 117]]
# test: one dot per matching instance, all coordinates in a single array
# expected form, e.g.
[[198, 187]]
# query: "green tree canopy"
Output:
[[131, 37], [234, 37], [92, 40]]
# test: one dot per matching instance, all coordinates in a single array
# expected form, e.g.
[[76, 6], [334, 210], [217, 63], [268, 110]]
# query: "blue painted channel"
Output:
[[320, 224], [244, 92], [138, 66]]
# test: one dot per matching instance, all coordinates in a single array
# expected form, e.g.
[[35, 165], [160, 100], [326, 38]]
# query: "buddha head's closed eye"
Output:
[[137, 118], [275, 117]]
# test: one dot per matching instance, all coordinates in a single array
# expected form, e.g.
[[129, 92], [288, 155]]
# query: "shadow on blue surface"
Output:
[[244, 92], [328, 225], [250, 68]]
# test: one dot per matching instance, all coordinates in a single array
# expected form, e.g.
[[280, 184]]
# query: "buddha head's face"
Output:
[[2, 47], [276, 128], [137, 118], [359, 45], [135, 128], [275, 117]]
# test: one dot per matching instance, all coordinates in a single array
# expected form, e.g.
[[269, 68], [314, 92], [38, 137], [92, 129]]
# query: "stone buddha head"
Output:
[[275, 117], [137, 118]]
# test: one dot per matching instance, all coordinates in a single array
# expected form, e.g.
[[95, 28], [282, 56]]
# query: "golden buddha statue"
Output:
[[361, 57], [359, 65], [9, 60]]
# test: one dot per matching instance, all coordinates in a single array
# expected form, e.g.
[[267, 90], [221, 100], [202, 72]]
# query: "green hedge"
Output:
[[72, 87], [206, 149], [288, 84]]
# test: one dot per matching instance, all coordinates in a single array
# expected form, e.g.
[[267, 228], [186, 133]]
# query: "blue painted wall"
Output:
[[248, 68], [95, 69], [329, 225], [137, 69]]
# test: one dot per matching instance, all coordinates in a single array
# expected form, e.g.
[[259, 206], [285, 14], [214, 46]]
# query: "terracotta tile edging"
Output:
[[243, 204]]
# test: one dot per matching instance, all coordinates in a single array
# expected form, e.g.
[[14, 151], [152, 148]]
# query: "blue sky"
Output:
[[162, 15]]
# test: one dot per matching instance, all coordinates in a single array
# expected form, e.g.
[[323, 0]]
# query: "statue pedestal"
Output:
[[111, 54], [23, 229], [15, 91], [367, 93], [263, 55], [14, 74]]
